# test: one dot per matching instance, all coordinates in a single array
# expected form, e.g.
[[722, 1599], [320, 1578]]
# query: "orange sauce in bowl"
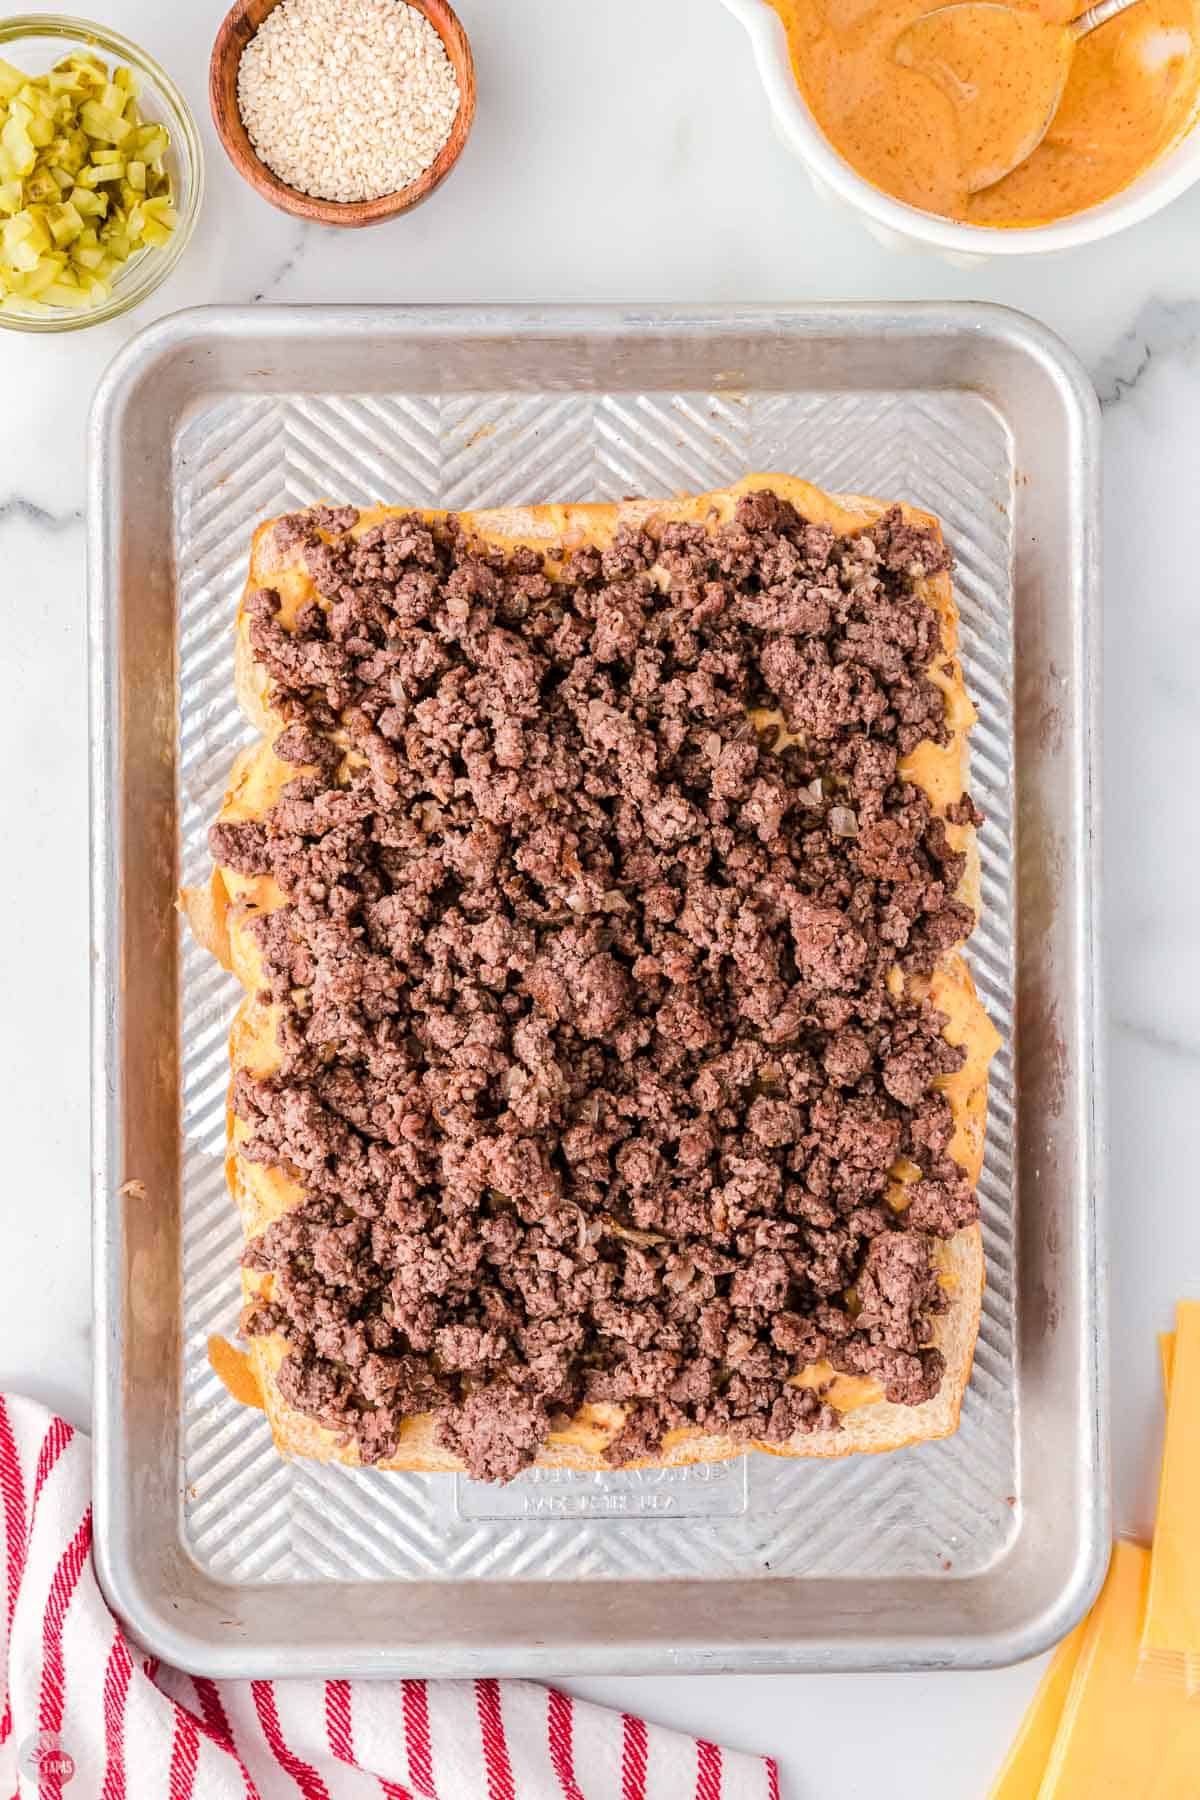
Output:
[[931, 110]]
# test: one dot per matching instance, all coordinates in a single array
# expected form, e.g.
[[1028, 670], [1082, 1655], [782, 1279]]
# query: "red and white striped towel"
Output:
[[86, 1714]]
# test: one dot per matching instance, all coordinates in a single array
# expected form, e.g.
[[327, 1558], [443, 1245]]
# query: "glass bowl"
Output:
[[35, 42]]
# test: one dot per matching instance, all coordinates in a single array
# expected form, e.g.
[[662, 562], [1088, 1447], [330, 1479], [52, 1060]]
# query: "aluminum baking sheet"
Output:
[[227, 1560]]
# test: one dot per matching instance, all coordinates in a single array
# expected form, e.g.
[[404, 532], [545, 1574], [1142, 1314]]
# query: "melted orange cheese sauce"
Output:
[[932, 110], [235, 1371]]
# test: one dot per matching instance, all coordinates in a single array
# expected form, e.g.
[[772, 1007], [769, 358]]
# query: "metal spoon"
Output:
[[984, 172]]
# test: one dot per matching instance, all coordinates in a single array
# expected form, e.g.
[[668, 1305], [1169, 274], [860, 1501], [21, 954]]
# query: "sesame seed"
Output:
[[347, 99]]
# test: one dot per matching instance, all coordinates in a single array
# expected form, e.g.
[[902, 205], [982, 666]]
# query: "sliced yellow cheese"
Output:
[[1092, 1678], [1025, 1765], [1120, 1738], [1171, 1635], [1166, 1356]]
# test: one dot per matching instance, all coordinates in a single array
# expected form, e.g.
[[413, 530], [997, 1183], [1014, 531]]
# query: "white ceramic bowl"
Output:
[[903, 227]]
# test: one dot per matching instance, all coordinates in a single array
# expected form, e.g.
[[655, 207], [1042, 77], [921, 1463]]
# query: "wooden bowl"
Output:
[[241, 23]]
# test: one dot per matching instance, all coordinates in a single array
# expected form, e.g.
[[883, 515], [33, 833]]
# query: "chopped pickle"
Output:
[[48, 269], [99, 122], [91, 205], [41, 185], [17, 147], [65, 222], [59, 293], [83, 183], [152, 141]]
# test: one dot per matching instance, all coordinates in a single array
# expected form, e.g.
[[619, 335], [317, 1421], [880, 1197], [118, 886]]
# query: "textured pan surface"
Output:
[[250, 1517], [978, 1550]]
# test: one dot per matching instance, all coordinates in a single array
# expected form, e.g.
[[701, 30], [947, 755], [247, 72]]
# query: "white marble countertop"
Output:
[[624, 152]]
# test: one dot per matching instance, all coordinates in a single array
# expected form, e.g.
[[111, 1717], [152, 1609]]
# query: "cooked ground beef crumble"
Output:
[[589, 1066]]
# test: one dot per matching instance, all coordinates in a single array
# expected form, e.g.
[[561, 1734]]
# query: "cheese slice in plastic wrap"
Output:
[[1170, 1649], [1024, 1766], [1166, 1356], [1120, 1738], [1146, 1744]]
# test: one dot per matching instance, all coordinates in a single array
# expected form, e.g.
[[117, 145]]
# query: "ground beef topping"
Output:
[[591, 1071]]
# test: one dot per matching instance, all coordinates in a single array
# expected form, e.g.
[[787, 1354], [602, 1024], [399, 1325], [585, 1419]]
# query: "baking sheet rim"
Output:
[[113, 1467]]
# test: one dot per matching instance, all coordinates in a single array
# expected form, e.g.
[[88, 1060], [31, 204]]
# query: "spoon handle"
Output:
[[1098, 15]]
